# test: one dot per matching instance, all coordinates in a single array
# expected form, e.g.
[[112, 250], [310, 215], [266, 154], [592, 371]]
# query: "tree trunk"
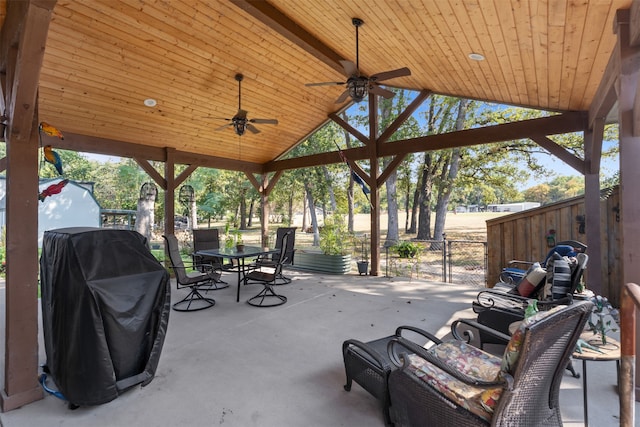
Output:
[[406, 207], [414, 209], [312, 213], [243, 211], [392, 209], [304, 211], [426, 187], [250, 216], [450, 175], [332, 196], [290, 222]]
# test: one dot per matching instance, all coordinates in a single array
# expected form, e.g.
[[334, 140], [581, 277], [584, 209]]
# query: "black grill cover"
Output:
[[105, 310]]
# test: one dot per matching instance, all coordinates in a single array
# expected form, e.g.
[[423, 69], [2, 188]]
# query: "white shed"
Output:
[[74, 206]]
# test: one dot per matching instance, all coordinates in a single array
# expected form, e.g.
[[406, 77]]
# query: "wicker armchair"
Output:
[[455, 384]]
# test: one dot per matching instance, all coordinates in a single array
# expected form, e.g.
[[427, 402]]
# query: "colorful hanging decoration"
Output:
[[52, 189], [52, 157], [47, 129]]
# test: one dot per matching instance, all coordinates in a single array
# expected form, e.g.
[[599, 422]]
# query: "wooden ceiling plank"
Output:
[[557, 21], [574, 32], [479, 45], [588, 72], [524, 19], [145, 49], [599, 69], [540, 41], [512, 42], [280, 23], [497, 54], [461, 30]]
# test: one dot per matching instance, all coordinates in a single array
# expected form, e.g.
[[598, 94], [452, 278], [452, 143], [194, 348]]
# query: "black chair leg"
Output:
[[267, 298], [194, 302]]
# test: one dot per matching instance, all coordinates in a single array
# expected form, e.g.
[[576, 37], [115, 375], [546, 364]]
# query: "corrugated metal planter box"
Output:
[[322, 263]]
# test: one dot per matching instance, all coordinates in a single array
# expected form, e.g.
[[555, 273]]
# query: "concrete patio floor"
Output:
[[238, 365]]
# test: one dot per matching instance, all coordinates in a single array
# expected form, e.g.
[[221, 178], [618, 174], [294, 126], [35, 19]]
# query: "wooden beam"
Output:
[[358, 153], [390, 168], [558, 124], [153, 174], [184, 158], [252, 179], [402, 117], [111, 147], [273, 181], [560, 152], [593, 147], [282, 24], [346, 126], [185, 174], [561, 123], [605, 97]]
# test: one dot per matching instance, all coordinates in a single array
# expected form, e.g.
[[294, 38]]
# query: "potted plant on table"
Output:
[[239, 241]]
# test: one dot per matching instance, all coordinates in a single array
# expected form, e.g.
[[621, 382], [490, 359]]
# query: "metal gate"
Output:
[[451, 261]]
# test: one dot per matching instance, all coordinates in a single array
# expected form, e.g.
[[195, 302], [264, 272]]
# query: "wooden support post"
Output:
[[169, 194], [374, 196], [23, 40], [626, 87]]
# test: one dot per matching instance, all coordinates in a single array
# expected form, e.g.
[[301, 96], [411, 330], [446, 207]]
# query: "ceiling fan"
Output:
[[358, 85], [240, 122]]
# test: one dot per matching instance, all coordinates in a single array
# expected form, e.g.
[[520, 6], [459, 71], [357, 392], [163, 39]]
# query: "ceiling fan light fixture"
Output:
[[240, 126], [476, 56], [358, 89]]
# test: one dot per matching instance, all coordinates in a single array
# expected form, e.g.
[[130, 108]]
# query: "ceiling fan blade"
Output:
[[350, 68], [223, 127], [342, 97], [241, 114], [373, 88], [252, 128], [386, 75], [265, 121], [325, 84]]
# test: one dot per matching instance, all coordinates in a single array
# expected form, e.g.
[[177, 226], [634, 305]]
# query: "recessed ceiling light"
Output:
[[150, 102], [476, 56]]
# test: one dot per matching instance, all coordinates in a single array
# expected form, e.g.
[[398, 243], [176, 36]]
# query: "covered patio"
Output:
[[151, 80], [235, 365]]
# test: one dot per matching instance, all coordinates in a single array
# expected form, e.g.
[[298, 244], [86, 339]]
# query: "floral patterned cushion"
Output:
[[512, 351], [470, 361]]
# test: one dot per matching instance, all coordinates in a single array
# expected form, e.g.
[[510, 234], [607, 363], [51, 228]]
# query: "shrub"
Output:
[[406, 249], [334, 236]]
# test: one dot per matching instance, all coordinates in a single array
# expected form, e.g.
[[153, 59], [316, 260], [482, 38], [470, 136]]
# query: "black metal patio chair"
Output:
[[195, 281]]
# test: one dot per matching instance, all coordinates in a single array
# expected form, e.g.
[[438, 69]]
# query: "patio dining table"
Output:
[[240, 256]]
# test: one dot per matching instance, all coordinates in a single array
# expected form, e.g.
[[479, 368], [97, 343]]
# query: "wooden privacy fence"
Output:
[[529, 235]]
